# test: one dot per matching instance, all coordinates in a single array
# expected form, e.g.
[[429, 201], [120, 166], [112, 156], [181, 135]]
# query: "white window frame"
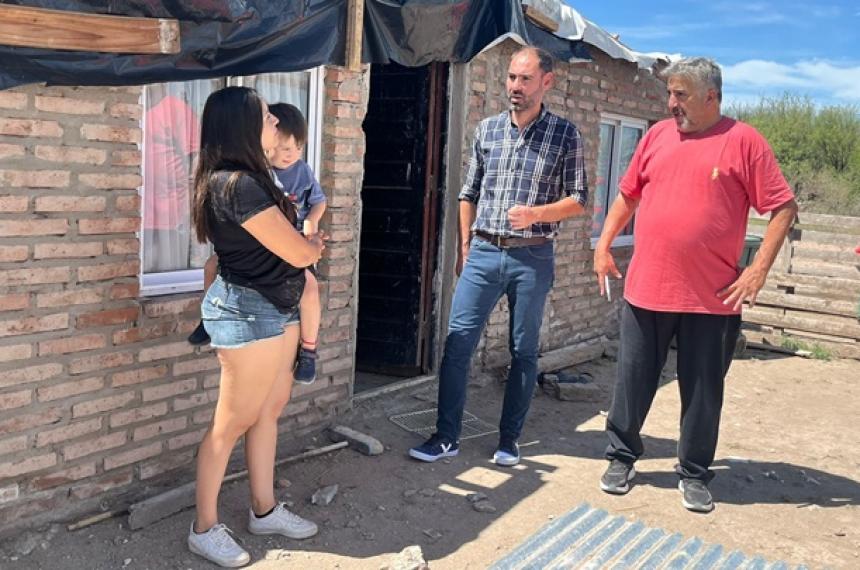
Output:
[[190, 280], [618, 121]]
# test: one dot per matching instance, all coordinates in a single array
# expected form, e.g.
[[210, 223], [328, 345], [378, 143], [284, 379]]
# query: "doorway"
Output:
[[401, 195]]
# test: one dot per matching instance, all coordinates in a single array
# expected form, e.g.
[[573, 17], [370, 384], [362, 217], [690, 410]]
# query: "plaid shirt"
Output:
[[539, 165]]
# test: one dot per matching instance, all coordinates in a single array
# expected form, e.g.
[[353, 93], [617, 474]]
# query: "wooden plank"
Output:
[[846, 328], [811, 304], [826, 285], [354, 35], [807, 267], [540, 19], [829, 220], [838, 349], [64, 30], [829, 238], [833, 253]]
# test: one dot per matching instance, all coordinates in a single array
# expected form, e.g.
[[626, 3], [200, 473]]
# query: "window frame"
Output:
[[619, 122], [191, 280]]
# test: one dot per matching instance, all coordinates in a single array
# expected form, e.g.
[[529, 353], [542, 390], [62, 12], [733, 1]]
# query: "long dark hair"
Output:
[[230, 132]]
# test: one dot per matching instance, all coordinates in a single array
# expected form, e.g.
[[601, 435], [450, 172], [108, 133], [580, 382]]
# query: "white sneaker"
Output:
[[281, 521], [216, 545]]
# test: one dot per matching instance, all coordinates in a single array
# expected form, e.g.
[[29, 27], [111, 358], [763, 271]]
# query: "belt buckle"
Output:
[[497, 241]]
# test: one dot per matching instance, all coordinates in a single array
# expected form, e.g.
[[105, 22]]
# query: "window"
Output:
[[171, 258], [618, 139]]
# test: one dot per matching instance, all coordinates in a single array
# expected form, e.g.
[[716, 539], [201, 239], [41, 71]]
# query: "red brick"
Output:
[[23, 228], [10, 150], [123, 246], [100, 362], [163, 351], [71, 154], [34, 276], [63, 477], [174, 307], [13, 444], [30, 128], [160, 428], [133, 456], [102, 485], [125, 158], [34, 178], [212, 381], [12, 400], [64, 250], [126, 111], [335, 365], [25, 466], [102, 404], [14, 204], [75, 450], [108, 317], [209, 362], [67, 432], [129, 135], [34, 324], [14, 302], [15, 352], [124, 290], [107, 271], [186, 439], [138, 414], [203, 416], [111, 181], [69, 106], [128, 203], [29, 374], [166, 464], [107, 226], [139, 334], [71, 344], [70, 204], [69, 389], [12, 100], [192, 401], [14, 253], [17, 424], [138, 375], [168, 390], [67, 298]]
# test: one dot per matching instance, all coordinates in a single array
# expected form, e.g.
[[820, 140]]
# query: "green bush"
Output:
[[818, 149]]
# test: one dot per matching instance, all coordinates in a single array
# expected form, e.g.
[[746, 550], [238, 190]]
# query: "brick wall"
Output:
[[100, 395], [575, 312]]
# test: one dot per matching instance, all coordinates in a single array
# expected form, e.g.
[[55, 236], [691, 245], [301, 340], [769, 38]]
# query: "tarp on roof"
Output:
[[245, 37]]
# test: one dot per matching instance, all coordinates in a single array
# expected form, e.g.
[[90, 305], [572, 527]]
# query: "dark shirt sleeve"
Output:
[[246, 201], [574, 181], [472, 186]]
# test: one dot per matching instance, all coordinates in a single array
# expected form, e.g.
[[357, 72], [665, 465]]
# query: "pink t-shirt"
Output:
[[695, 193]]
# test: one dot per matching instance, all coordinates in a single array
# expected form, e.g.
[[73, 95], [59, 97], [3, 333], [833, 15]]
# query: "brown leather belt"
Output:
[[501, 241]]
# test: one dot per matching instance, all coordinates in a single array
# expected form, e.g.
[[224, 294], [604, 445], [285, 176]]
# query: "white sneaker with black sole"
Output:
[[217, 545], [281, 521]]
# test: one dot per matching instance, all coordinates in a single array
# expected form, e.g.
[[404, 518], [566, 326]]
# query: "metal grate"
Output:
[[423, 422]]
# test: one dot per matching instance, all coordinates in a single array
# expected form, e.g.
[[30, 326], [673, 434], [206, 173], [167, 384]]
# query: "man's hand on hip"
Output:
[[745, 288]]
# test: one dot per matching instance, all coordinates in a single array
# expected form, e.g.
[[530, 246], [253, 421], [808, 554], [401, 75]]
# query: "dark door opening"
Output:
[[405, 132]]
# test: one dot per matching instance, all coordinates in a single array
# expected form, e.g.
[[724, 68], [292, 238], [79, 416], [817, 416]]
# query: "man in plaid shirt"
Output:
[[526, 174]]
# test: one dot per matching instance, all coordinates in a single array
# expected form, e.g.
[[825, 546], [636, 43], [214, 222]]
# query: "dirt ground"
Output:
[[786, 488]]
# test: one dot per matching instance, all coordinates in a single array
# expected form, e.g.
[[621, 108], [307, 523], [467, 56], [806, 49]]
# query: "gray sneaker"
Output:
[[281, 521], [218, 546], [616, 479], [696, 496]]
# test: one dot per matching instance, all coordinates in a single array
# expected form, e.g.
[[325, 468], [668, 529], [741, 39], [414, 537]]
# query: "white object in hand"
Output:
[[606, 287]]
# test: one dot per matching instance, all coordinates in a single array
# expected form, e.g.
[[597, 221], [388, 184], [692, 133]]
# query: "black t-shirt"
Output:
[[242, 259]]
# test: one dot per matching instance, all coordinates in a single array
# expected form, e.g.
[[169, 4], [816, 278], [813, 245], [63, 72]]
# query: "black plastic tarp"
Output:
[[245, 37]]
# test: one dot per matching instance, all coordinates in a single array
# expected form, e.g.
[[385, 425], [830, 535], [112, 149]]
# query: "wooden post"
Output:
[[354, 35], [62, 30]]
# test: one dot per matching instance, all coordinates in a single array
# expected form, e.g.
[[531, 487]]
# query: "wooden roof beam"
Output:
[[23, 26]]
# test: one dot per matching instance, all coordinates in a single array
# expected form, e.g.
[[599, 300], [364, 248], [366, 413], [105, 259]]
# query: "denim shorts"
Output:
[[235, 316]]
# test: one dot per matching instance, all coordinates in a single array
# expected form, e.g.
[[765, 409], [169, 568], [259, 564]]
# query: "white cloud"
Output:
[[822, 78]]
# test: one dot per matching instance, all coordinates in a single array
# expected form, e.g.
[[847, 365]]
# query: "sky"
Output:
[[765, 48]]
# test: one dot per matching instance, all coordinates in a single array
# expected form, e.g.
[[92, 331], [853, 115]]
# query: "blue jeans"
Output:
[[525, 275]]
